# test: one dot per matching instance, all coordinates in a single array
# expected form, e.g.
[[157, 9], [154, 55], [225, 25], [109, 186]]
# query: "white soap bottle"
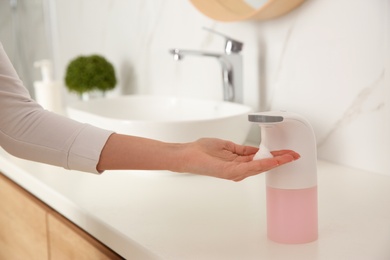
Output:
[[48, 91]]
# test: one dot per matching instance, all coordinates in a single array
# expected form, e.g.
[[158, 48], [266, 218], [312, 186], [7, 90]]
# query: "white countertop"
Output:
[[163, 215]]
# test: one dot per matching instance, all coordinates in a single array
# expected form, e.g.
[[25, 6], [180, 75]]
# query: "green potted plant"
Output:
[[85, 74]]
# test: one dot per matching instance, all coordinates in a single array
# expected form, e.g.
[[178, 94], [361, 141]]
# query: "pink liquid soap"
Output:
[[292, 215]]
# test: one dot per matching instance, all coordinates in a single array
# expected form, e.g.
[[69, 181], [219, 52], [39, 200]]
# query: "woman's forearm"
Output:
[[123, 152]]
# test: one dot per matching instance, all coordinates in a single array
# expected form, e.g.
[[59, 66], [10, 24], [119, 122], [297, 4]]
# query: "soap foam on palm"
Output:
[[263, 153]]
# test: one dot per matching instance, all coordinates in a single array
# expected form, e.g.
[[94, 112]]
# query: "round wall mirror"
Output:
[[240, 10]]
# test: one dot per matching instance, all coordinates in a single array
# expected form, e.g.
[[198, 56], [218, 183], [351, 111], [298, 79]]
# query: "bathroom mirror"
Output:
[[241, 10]]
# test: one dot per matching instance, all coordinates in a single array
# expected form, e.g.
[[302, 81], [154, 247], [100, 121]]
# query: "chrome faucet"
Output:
[[231, 64]]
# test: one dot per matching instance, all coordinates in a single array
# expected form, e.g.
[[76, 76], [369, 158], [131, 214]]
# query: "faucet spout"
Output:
[[179, 54], [231, 65]]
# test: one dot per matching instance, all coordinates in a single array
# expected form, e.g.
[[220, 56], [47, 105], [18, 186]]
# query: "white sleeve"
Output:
[[30, 132]]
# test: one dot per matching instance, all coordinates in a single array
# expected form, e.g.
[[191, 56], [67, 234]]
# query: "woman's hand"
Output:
[[206, 156], [227, 160]]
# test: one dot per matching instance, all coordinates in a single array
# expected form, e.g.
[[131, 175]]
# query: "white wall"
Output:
[[328, 60]]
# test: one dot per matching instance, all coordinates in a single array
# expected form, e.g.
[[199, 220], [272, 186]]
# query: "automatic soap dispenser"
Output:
[[292, 215]]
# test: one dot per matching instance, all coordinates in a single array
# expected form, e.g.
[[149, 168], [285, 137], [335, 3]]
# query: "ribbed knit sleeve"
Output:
[[30, 132]]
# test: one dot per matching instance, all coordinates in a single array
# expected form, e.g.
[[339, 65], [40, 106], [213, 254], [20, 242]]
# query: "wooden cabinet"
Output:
[[29, 229], [23, 232], [67, 241]]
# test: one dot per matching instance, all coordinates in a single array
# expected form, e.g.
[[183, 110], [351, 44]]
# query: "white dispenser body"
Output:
[[294, 133], [292, 216]]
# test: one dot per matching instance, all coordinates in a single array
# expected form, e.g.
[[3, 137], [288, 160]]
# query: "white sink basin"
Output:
[[170, 119]]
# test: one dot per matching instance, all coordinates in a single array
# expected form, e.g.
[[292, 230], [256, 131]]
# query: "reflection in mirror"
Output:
[[256, 3]]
